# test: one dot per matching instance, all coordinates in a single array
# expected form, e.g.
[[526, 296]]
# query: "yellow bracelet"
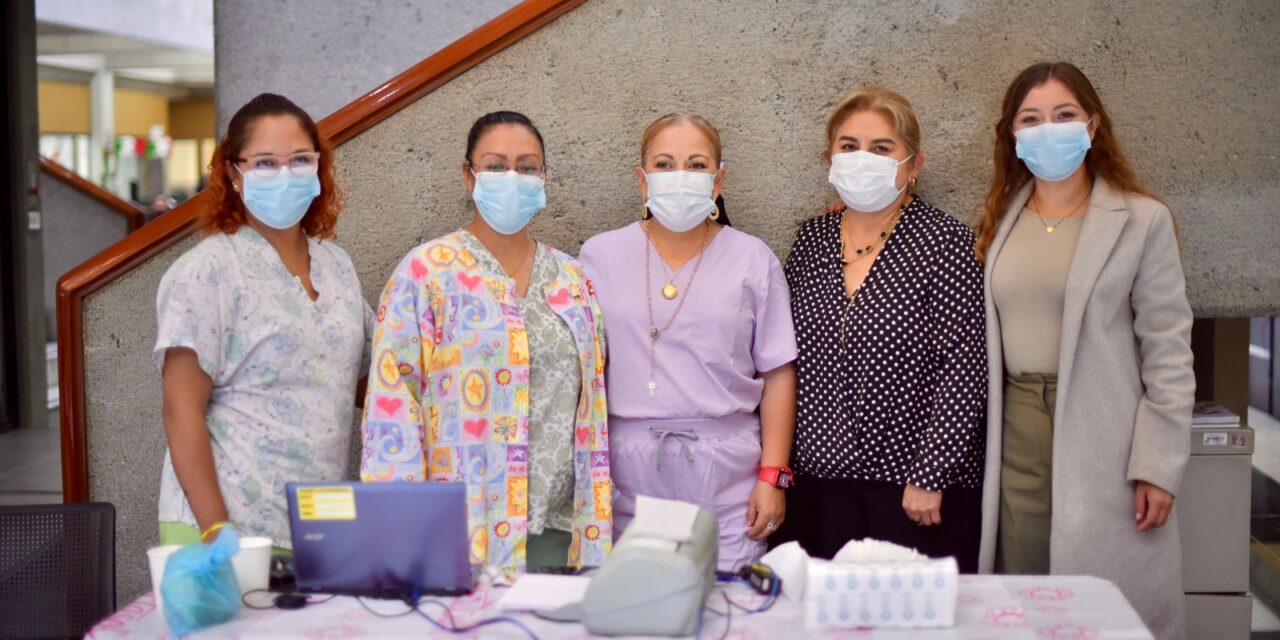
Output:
[[213, 529]]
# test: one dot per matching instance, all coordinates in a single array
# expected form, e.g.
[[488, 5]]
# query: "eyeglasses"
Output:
[[300, 164], [522, 168]]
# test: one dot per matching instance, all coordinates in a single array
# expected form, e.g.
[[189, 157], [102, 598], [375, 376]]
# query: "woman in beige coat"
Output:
[[1091, 385]]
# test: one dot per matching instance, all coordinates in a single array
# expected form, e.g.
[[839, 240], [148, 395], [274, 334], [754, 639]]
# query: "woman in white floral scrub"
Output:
[[262, 334]]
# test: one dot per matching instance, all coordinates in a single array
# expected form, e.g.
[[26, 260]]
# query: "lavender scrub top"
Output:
[[735, 325]]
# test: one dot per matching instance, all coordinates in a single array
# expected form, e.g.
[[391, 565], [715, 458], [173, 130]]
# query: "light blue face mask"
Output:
[[1054, 150], [280, 201], [508, 200]]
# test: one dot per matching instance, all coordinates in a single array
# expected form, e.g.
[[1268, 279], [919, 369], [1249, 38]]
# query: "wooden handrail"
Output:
[[132, 215], [173, 226]]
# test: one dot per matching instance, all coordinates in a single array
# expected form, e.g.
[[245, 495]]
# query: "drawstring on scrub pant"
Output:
[[683, 436]]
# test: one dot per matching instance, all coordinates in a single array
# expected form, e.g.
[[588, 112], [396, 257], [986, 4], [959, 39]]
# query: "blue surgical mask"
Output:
[[1054, 150], [508, 201], [280, 201]]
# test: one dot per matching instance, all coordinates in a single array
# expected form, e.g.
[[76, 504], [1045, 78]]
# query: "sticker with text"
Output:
[[326, 503], [1215, 439]]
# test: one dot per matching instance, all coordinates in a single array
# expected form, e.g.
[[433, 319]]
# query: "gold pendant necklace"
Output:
[[1048, 228], [654, 331]]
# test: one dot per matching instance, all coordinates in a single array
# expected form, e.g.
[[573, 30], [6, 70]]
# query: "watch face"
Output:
[[784, 480]]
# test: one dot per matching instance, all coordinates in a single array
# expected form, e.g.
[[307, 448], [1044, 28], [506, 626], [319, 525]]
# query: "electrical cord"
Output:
[[452, 628], [447, 611], [381, 614], [244, 599], [728, 618], [770, 599], [414, 602]]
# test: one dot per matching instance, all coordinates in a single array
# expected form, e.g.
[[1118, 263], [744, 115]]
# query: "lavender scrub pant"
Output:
[[709, 462]]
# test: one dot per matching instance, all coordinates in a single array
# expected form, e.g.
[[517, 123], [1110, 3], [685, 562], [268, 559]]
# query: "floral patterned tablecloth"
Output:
[[989, 608]]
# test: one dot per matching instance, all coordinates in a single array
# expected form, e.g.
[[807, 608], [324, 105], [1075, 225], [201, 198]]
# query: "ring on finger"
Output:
[[770, 526]]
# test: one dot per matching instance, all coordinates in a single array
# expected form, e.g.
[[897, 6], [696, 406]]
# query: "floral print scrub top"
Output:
[[449, 396], [284, 370], [554, 384]]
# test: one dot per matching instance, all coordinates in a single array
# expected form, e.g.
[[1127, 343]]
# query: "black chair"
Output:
[[57, 569]]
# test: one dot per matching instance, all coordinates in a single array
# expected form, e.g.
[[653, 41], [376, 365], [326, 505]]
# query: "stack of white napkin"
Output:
[[869, 583]]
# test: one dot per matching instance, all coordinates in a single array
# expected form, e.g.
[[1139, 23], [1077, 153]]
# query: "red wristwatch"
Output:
[[780, 477]]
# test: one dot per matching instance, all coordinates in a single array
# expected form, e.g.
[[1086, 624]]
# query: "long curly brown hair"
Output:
[[1104, 160], [227, 211]]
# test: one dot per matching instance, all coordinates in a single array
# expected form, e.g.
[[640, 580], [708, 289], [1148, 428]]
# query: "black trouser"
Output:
[[824, 514]]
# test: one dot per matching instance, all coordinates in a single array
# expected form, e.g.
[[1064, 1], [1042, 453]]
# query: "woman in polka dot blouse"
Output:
[[887, 300]]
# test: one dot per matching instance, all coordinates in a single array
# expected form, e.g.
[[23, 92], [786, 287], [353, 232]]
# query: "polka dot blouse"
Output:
[[904, 400]]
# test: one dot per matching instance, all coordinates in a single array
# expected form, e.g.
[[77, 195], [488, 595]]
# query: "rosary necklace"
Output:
[[654, 331]]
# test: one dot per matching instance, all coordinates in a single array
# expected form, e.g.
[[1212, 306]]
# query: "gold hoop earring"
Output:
[[715, 213], [644, 213]]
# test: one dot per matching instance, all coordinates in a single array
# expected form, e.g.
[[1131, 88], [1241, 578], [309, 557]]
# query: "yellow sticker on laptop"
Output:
[[326, 503]]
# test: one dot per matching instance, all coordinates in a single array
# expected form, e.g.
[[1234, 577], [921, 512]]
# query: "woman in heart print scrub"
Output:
[[488, 365]]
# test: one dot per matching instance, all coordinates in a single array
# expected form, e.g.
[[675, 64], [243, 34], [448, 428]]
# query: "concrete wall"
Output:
[[1199, 122], [76, 228], [324, 54]]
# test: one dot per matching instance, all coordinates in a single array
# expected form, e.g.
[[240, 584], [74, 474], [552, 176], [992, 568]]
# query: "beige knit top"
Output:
[[1028, 285]]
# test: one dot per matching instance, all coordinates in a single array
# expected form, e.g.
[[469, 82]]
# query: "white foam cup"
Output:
[[157, 557], [252, 564]]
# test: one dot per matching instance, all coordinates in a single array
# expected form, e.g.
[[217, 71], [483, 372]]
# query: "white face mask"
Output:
[[866, 182], [680, 200]]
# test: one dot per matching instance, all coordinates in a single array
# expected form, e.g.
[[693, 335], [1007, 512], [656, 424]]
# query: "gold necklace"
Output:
[[1048, 228], [848, 307], [670, 290], [654, 331], [884, 234]]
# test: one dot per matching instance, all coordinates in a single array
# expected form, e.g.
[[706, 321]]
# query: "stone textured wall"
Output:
[[1199, 122], [76, 228], [323, 54], [1188, 83]]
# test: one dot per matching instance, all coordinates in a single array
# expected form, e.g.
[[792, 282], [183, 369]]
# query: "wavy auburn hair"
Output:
[[1105, 159], [227, 212]]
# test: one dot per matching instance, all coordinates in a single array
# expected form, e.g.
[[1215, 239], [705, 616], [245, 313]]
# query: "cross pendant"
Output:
[[653, 388]]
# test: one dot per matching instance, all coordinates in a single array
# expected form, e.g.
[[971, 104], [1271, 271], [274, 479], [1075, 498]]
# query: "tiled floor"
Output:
[[31, 465]]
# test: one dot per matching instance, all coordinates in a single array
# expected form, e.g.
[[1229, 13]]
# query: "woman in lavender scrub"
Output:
[[700, 374]]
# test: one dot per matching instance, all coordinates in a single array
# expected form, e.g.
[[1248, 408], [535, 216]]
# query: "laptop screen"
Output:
[[381, 540]]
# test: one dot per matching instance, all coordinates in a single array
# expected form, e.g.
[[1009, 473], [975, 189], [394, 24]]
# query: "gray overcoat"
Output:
[[1125, 392]]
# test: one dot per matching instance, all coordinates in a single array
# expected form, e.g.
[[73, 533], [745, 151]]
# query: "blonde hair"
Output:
[[888, 103], [672, 119]]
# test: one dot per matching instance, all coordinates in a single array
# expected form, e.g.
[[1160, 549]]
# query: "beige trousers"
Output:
[[1026, 473]]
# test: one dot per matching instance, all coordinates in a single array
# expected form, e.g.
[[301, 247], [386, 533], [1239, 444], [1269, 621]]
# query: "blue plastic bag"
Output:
[[199, 585]]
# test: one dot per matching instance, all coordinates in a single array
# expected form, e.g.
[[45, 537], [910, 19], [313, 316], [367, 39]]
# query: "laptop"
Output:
[[382, 540]]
